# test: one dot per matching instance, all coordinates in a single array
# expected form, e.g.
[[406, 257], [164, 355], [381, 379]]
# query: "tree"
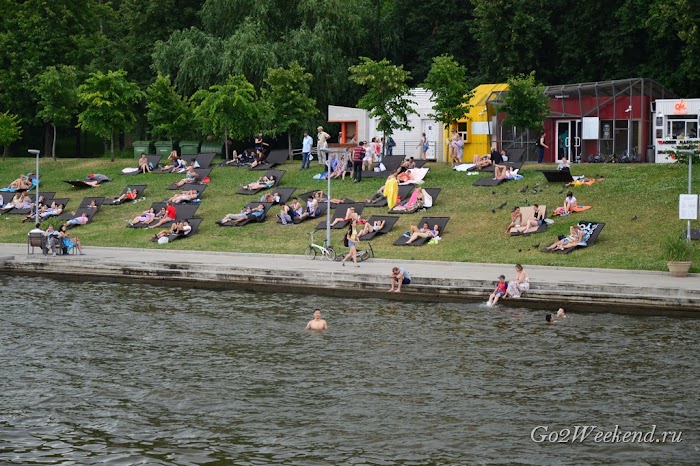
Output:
[[10, 130], [448, 82], [58, 97], [287, 98], [109, 100], [525, 103], [169, 115], [387, 93], [229, 110]]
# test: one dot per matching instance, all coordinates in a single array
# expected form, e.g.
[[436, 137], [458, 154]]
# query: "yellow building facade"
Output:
[[478, 128]]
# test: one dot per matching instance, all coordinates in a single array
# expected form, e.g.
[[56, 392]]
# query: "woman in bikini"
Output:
[[423, 232]]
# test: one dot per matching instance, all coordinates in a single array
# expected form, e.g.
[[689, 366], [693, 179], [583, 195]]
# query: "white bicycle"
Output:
[[327, 252]]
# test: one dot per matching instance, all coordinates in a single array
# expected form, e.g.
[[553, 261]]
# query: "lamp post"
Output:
[[36, 152]]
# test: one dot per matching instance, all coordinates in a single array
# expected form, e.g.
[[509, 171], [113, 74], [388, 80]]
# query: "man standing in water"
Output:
[[317, 323]]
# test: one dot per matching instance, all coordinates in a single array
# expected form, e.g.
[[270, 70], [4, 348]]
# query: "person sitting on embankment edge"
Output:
[[399, 276]]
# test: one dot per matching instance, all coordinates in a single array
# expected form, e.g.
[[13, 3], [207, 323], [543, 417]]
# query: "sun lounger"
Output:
[[404, 192], [441, 222], [194, 223], [322, 208], [285, 193], [488, 181], [59, 201], [340, 211], [417, 175], [48, 198], [278, 174], [390, 163], [251, 218], [80, 184], [140, 188], [201, 174], [346, 200], [558, 176], [559, 211], [389, 222], [274, 158], [68, 215], [589, 241], [528, 213], [432, 192], [420, 163], [205, 159], [182, 212]]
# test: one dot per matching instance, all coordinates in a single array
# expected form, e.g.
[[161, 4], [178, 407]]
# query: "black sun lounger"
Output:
[[182, 212], [48, 198], [340, 211], [194, 223], [60, 201], [441, 222], [558, 176], [591, 239], [201, 174], [285, 193], [488, 181], [433, 192], [274, 158], [420, 163], [205, 159], [278, 174], [140, 188], [403, 193], [250, 218], [80, 184], [389, 222], [322, 209], [68, 216], [390, 163]]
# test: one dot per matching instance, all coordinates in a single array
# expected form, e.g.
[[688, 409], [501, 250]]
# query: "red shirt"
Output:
[[358, 154], [170, 212]]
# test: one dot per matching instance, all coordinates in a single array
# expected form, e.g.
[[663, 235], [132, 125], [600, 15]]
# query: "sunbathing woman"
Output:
[[262, 183], [341, 169], [129, 195], [370, 227], [253, 214], [146, 217], [24, 182], [423, 232], [533, 223], [16, 203], [270, 197], [52, 211], [176, 229], [569, 202], [144, 167], [482, 162], [414, 203], [184, 196], [516, 219], [574, 238], [191, 177], [350, 214]]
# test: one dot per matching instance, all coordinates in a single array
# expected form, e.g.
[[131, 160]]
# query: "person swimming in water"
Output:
[[561, 313], [317, 323], [549, 318]]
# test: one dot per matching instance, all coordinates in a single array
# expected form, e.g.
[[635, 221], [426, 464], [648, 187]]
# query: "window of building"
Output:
[[682, 126]]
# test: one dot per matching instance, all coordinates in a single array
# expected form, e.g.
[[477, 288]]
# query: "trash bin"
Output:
[[164, 148], [141, 147], [189, 147], [651, 157], [212, 146]]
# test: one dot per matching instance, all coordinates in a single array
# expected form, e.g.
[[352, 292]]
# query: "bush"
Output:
[[676, 249], [681, 152]]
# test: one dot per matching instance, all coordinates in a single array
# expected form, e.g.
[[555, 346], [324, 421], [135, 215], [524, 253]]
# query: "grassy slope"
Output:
[[473, 234]]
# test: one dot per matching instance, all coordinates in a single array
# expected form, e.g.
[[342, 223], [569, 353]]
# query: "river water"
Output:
[[100, 373]]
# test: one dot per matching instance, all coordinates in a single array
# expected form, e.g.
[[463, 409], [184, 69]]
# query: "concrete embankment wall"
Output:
[[589, 290]]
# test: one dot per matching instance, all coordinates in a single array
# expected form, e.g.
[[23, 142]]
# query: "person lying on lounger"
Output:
[[24, 182], [369, 227], [147, 217], [377, 196], [423, 232], [176, 163], [482, 161], [170, 215], [350, 214], [178, 229], [571, 241], [32, 210], [144, 167], [413, 203], [19, 201], [255, 213], [184, 196], [52, 211], [231, 217], [82, 219], [270, 197], [191, 177], [129, 195], [262, 183]]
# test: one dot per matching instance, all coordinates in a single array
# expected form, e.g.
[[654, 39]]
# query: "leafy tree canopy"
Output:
[[451, 88], [525, 103], [169, 115]]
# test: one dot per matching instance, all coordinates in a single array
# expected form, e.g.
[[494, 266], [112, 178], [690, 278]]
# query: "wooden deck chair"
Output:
[[441, 222], [389, 222], [277, 174]]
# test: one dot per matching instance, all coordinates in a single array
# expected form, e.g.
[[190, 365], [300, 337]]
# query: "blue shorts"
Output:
[[405, 281], [351, 243], [499, 293]]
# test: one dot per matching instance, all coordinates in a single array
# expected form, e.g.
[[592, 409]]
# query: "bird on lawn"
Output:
[[561, 192], [503, 205], [536, 245], [527, 202], [505, 192], [520, 250], [524, 189], [493, 192], [493, 210], [634, 218]]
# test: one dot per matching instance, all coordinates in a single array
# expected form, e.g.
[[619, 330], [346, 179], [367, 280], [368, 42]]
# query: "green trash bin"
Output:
[[164, 148], [212, 146], [141, 147], [189, 147]]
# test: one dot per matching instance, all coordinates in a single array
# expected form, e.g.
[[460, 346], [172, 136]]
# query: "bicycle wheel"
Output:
[[310, 253], [331, 253]]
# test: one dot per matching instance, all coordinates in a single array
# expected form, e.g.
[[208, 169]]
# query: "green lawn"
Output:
[[474, 233]]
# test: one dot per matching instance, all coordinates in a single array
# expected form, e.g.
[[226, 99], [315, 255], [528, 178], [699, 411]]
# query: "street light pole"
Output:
[[36, 194], [629, 132]]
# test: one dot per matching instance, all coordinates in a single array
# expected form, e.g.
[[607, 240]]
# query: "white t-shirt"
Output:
[[570, 200]]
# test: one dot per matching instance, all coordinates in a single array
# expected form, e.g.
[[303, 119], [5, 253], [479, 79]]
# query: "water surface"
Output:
[[100, 373]]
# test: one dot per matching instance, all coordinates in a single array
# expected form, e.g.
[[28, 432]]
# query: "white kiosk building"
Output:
[[675, 122]]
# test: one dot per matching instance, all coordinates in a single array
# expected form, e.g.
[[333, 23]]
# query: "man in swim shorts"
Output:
[[317, 323]]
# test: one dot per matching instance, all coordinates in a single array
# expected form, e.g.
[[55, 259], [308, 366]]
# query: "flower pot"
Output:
[[678, 268]]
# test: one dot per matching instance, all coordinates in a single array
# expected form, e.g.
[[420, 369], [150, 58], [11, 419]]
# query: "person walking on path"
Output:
[[322, 144], [541, 146], [306, 144]]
